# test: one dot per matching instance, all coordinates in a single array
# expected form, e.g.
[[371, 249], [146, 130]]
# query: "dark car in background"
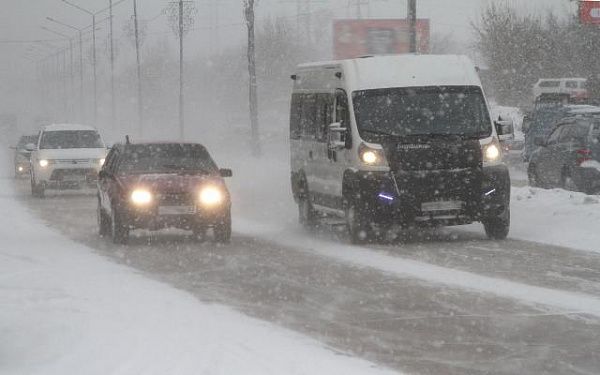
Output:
[[22, 155], [159, 185], [570, 157], [544, 119]]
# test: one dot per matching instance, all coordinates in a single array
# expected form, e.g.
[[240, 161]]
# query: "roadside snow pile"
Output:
[[65, 310], [556, 217]]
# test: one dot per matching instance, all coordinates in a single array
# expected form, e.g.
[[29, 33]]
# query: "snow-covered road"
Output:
[[445, 301]]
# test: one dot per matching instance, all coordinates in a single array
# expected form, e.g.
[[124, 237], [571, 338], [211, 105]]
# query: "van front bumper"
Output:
[[425, 198]]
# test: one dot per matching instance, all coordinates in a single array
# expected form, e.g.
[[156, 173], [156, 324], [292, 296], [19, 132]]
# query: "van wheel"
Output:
[[306, 213], [118, 229], [357, 222], [497, 228]]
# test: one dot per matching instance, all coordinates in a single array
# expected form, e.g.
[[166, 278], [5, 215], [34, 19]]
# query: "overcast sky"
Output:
[[22, 19]]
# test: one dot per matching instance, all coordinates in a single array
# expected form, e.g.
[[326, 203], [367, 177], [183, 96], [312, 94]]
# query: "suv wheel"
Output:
[[222, 230], [37, 190], [118, 229], [104, 226], [357, 222], [497, 228]]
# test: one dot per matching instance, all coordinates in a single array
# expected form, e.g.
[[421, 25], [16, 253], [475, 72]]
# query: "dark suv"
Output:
[[22, 155], [158, 185], [569, 157]]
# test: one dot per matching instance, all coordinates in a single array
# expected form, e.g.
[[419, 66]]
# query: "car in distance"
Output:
[[570, 157], [66, 156], [397, 140], [22, 155], [159, 185], [574, 88]]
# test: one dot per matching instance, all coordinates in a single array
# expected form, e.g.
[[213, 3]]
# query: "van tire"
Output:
[[497, 228], [222, 230], [307, 215], [533, 177], [357, 222]]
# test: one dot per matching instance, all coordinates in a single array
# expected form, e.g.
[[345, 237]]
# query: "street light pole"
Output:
[[181, 108], [412, 24], [112, 68], [139, 71]]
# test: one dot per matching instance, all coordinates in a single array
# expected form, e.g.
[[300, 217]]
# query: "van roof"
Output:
[[374, 72], [64, 127]]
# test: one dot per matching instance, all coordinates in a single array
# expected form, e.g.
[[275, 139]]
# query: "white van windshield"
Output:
[[452, 110], [71, 139]]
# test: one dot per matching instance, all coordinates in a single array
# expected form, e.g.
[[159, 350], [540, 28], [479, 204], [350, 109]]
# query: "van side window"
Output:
[[295, 115], [324, 115], [308, 116], [571, 84]]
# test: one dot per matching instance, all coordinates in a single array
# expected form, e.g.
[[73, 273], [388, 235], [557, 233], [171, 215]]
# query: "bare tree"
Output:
[[253, 97]]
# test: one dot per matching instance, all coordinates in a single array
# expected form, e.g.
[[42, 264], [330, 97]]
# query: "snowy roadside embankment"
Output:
[[65, 310], [556, 217]]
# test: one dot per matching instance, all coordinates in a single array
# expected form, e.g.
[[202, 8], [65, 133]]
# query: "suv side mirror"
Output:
[[335, 140], [30, 147], [225, 172], [505, 129], [540, 141]]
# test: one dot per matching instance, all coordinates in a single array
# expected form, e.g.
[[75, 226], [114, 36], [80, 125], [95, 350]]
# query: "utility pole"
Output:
[[253, 98], [139, 72], [71, 75], [412, 25], [112, 69], [181, 108]]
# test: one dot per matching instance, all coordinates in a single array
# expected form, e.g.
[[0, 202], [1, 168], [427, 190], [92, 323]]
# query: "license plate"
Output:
[[442, 206], [176, 210]]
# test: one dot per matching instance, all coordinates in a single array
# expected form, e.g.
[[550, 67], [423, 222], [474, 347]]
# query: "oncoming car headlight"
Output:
[[491, 152], [371, 156], [43, 163], [101, 161], [211, 196], [141, 197]]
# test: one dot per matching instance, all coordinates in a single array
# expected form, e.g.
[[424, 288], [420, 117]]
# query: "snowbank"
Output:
[[556, 217], [65, 310]]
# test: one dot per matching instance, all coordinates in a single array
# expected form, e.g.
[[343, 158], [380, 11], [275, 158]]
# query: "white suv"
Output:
[[66, 156]]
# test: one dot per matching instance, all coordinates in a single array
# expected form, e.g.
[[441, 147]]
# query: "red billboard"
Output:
[[354, 38], [589, 12]]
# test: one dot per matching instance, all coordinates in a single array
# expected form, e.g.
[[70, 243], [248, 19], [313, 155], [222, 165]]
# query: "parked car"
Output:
[[575, 88], [413, 146], [22, 155], [570, 157], [544, 120], [159, 185], [66, 156]]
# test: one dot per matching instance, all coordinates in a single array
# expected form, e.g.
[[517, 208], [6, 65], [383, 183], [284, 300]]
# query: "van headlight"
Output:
[[43, 163], [141, 197], [491, 152], [211, 196], [371, 156]]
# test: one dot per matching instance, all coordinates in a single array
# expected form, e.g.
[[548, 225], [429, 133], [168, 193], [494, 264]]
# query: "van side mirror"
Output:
[[225, 172], [30, 147], [540, 141], [505, 129], [335, 138]]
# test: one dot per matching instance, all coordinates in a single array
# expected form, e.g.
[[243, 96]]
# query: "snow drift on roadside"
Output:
[[64, 310], [556, 217]]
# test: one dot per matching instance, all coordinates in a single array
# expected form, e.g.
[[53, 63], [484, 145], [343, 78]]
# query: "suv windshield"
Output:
[[423, 111], [71, 139], [166, 158]]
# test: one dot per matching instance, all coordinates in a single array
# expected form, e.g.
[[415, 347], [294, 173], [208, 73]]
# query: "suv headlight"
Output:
[[141, 197], [211, 196], [101, 161], [44, 163]]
